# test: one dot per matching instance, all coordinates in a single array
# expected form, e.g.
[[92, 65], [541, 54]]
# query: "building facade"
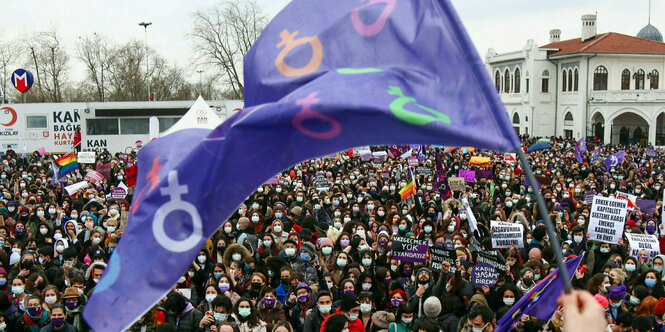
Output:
[[606, 86]]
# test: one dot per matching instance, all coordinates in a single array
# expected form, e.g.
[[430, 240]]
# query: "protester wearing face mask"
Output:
[[299, 302], [405, 318], [350, 309], [269, 309]]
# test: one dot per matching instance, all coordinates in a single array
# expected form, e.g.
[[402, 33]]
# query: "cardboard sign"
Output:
[[409, 250], [104, 169], [632, 199], [473, 223], [468, 175], [607, 218], [377, 161], [456, 184], [424, 170], [484, 174], [74, 188], [385, 175], [321, 182], [588, 197], [440, 255], [494, 258], [85, 157], [506, 234], [130, 173], [413, 161], [118, 193], [639, 242], [94, 176], [484, 274]]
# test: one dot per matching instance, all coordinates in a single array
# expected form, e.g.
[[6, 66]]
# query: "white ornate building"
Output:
[[606, 85]]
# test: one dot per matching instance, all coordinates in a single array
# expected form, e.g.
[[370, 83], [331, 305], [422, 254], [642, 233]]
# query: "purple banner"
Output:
[[588, 197], [468, 175], [409, 250], [484, 174], [646, 205], [398, 150]]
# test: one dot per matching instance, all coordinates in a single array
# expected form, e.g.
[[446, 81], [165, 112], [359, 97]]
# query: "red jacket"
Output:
[[355, 326]]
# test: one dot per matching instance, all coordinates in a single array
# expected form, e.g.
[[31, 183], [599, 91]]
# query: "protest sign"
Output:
[[413, 161], [94, 176], [385, 175], [484, 174], [321, 182], [424, 170], [484, 274], [85, 157], [118, 193], [639, 242], [494, 258], [377, 161], [440, 255], [42, 151], [130, 173], [588, 197], [409, 250], [74, 188], [456, 184], [607, 218], [647, 206], [380, 154], [468, 175], [473, 224], [506, 234], [104, 169], [632, 199]]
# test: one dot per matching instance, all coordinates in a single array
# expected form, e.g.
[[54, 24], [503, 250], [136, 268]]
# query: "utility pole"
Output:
[[147, 73]]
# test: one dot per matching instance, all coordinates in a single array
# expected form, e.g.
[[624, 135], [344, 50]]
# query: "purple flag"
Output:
[[595, 154], [615, 159], [398, 150], [540, 301], [318, 80], [580, 149]]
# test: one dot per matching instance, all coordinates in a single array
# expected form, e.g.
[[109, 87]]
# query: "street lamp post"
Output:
[[147, 73], [200, 84]]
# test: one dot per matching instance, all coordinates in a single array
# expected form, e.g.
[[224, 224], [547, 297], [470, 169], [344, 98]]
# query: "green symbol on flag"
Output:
[[397, 107]]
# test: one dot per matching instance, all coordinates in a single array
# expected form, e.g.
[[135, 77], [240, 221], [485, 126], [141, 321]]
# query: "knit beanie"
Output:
[[659, 309], [617, 293], [432, 307], [382, 319]]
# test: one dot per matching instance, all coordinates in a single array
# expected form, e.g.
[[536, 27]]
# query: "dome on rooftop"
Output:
[[650, 32]]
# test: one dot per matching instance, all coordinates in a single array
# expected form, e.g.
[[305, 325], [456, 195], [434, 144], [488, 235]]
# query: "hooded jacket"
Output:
[[415, 301]]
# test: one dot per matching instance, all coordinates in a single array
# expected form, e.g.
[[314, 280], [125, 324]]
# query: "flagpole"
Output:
[[542, 208]]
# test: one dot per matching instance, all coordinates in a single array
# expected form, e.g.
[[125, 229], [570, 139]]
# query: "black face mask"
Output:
[[286, 282], [27, 264], [256, 286]]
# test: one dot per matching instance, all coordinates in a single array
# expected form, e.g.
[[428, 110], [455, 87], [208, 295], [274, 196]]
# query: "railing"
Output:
[[628, 95]]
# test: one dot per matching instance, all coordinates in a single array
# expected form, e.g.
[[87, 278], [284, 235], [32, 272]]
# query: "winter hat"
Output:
[[348, 302], [617, 293], [631, 223], [432, 307], [659, 309], [308, 247], [296, 210], [382, 319], [325, 242], [601, 300], [303, 285]]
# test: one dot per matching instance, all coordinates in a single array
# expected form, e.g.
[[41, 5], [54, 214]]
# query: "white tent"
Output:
[[199, 116]]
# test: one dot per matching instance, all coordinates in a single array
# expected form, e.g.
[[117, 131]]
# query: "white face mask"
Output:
[[509, 301], [290, 252], [277, 229], [50, 299]]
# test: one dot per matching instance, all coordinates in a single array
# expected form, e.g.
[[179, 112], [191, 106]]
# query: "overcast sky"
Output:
[[504, 25]]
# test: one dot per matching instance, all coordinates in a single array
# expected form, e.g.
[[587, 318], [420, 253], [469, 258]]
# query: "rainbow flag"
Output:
[[67, 164], [409, 189]]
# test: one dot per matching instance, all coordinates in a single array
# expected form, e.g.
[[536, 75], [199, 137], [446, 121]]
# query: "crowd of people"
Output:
[[299, 256]]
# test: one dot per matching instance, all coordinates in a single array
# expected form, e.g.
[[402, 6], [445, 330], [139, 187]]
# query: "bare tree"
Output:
[[8, 54], [126, 75], [50, 60], [223, 35], [97, 54]]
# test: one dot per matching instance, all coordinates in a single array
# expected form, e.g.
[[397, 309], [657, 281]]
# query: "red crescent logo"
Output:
[[14, 116]]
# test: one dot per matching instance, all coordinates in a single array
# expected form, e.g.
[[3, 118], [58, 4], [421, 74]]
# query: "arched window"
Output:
[[576, 80], [497, 81], [625, 79], [568, 119], [653, 79], [506, 81], [564, 80], [639, 79], [518, 77], [545, 83], [570, 80], [516, 118], [600, 78]]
